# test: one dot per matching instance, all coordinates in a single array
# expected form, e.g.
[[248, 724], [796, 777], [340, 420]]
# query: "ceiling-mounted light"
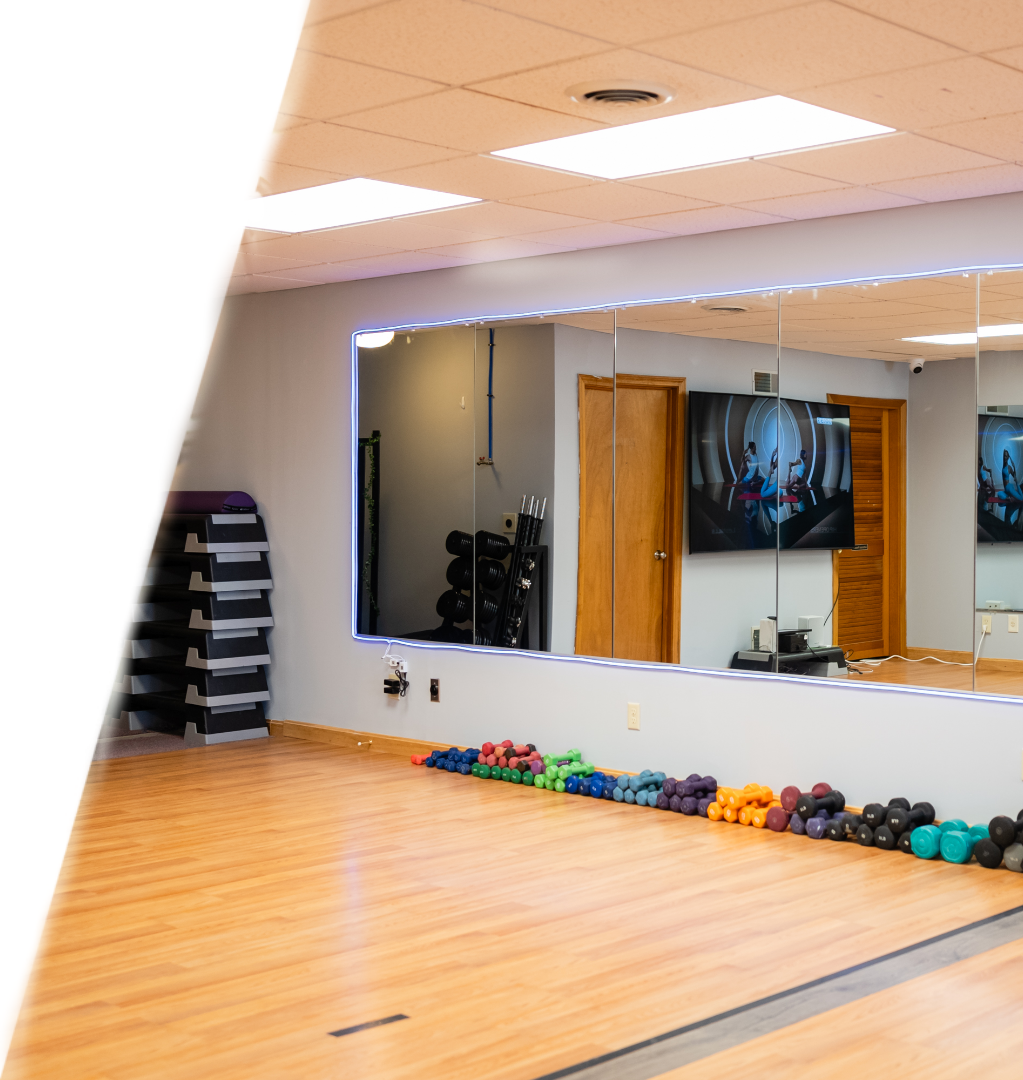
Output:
[[747, 129], [375, 340], [996, 330], [347, 202]]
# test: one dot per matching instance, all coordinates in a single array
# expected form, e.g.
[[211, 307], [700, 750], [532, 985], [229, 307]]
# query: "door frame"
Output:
[[674, 496], [893, 500]]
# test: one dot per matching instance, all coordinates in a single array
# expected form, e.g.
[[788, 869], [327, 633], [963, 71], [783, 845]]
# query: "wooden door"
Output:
[[645, 531], [868, 584]]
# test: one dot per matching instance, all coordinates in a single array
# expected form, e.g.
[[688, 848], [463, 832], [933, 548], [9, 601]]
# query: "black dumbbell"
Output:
[[459, 573], [808, 806], [842, 827], [459, 543], [899, 819], [454, 606], [486, 608], [490, 574], [874, 814], [490, 545], [1004, 831], [988, 853]]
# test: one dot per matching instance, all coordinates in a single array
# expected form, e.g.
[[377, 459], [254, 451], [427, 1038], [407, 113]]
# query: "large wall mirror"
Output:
[[823, 482]]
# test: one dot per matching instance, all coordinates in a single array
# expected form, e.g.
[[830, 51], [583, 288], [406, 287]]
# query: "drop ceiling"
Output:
[[419, 92]]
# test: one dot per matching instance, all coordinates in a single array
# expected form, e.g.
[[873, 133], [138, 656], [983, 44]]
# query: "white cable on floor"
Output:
[[897, 656]]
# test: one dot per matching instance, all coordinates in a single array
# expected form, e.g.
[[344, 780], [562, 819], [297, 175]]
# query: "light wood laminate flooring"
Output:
[[222, 909]]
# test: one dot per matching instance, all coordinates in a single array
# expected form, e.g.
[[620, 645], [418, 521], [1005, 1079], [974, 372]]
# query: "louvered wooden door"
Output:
[[868, 583]]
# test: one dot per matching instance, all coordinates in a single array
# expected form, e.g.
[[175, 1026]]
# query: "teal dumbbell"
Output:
[[957, 847], [926, 841], [954, 825]]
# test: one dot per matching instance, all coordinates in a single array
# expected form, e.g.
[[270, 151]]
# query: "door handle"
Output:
[[660, 554]]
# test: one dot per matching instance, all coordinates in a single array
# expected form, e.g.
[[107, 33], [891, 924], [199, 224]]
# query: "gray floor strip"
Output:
[[652, 1057], [369, 1024]]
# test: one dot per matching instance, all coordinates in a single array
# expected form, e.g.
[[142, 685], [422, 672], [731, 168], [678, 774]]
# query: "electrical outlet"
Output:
[[985, 623], [510, 522], [435, 689], [633, 715], [1013, 624]]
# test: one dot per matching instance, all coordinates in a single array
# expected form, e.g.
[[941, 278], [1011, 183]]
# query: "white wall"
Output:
[[286, 438]]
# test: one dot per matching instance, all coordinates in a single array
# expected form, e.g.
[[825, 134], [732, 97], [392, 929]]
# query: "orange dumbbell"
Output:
[[758, 818], [715, 811]]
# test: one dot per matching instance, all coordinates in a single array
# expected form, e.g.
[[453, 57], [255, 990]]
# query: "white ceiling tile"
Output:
[[976, 25], [349, 151], [608, 201], [624, 24], [924, 97], [470, 121], [709, 219], [451, 41], [406, 262], [321, 87], [251, 262], [966, 184], [737, 182], [481, 177], [330, 245], [486, 220], [888, 157], [497, 249], [851, 200], [276, 177], [804, 46], [546, 86], [996, 136], [408, 233], [600, 234]]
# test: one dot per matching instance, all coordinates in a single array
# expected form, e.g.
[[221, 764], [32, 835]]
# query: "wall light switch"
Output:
[[633, 716], [985, 623], [1013, 624]]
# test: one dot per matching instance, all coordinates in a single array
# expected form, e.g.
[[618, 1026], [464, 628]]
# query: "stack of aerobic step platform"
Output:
[[197, 654]]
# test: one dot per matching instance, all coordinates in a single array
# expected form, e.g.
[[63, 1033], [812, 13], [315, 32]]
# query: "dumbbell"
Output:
[[874, 816], [704, 804], [459, 543], [702, 785], [752, 793], [758, 818], [899, 821], [925, 842], [454, 606], [488, 545], [459, 573], [791, 795], [575, 768], [816, 825], [561, 759], [777, 818], [1004, 831], [809, 805], [843, 826], [957, 847], [489, 574], [1013, 856]]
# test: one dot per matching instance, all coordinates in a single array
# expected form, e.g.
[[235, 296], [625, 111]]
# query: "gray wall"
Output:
[[276, 422]]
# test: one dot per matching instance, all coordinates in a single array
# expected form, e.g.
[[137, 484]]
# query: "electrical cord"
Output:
[[399, 666]]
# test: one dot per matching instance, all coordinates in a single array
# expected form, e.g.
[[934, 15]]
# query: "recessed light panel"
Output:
[[997, 330], [748, 129], [348, 202]]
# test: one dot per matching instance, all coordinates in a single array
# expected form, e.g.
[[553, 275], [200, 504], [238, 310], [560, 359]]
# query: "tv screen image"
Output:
[[999, 468], [749, 489]]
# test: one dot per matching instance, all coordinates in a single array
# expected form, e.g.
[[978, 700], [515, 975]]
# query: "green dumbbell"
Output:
[[577, 768], [559, 785], [516, 776], [483, 772], [569, 755], [527, 779], [506, 774]]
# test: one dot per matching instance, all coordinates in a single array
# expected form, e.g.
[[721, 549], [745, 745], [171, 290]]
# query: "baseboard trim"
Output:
[[953, 656], [353, 740], [998, 663]]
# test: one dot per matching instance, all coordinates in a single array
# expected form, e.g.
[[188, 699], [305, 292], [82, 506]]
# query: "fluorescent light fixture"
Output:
[[747, 129], [348, 202], [374, 341], [997, 330]]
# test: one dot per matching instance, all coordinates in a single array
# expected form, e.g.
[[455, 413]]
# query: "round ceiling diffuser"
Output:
[[620, 93], [725, 309]]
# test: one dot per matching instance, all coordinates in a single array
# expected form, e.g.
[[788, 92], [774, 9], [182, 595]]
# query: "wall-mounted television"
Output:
[[999, 468], [767, 472]]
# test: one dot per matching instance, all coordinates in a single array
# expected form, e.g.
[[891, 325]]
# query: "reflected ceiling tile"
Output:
[[497, 249], [979, 26], [888, 157], [809, 45], [350, 152], [851, 200], [627, 23], [451, 41], [482, 177], [252, 262], [924, 97], [738, 182], [399, 262], [276, 177], [497, 219], [253, 283], [967, 184], [1012, 57], [320, 87], [286, 121], [609, 201], [546, 86], [330, 245], [600, 234], [324, 10], [997, 136], [709, 219], [470, 121], [408, 233]]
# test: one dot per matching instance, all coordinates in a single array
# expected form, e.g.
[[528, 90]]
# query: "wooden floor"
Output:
[[942, 676], [222, 909]]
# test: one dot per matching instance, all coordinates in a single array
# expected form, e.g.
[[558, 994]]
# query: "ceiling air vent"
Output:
[[998, 408], [725, 309], [765, 383], [618, 93]]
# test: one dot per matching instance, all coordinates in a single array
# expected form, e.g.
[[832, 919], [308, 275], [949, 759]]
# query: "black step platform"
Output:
[[223, 572], [203, 611], [200, 726], [211, 533], [191, 685], [208, 649]]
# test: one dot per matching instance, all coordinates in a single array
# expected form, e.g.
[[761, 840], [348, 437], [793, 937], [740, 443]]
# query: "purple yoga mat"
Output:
[[210, 502]]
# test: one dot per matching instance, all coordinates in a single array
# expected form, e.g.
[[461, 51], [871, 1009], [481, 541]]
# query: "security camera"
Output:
[[916, 366]]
